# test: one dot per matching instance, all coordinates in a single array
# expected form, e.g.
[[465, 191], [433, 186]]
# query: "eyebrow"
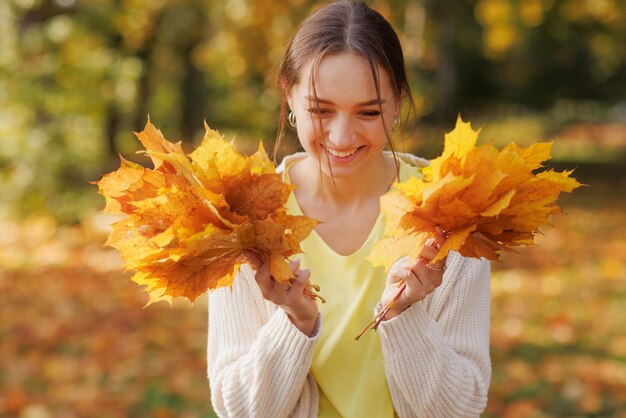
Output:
[[366, 103]]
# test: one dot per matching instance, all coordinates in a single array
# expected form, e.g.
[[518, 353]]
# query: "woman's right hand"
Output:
[[300, 308]]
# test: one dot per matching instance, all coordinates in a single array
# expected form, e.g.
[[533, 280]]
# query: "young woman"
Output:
[[272, 351]]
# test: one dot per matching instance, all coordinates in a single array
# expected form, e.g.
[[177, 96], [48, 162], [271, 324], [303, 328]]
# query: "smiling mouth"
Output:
[[341, 154]]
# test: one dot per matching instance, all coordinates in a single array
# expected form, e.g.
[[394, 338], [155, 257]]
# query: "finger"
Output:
[[433, 280], [436, 280], [431, 273], [278, 293], [263, 278], [438, 267], [399, 271], [294, 266], [416, 287], [424, 263], [428, 252], [413, 278], [285, 292], [430, 279], [301, 279], [424, 260], [440, 236], [266, 285], [254, 259]]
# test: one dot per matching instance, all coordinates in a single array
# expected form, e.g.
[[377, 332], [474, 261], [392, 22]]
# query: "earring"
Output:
[[291, 118], [396, 123]]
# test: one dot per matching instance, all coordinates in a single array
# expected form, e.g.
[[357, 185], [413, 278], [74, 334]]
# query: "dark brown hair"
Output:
[[343, 26]]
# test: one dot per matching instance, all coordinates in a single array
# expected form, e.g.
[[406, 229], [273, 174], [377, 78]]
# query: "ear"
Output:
[[282, 82], [287, 92], [290, 99], [398, 103]]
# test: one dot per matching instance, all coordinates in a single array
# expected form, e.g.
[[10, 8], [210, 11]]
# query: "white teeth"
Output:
[[340, 154]]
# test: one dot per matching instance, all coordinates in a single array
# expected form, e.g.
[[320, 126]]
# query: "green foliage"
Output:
[[77, 76]]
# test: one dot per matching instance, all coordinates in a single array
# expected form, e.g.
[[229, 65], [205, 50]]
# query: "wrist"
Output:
[[395, 311], [306, 325]]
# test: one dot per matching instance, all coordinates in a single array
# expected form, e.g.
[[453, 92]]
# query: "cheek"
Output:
[[378, 136], [309, 129], [306, 135]]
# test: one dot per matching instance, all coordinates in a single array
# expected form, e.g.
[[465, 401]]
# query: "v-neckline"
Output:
[[375, 228], [299, 212]]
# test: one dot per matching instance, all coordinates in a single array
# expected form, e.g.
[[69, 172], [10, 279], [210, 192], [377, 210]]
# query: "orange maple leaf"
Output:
[[190, 220], [487, 200]]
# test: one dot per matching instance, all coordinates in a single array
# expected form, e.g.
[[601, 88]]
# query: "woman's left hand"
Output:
[[421, 277]]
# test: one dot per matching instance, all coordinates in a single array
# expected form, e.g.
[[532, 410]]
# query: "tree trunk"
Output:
[[143, 85], [445, 103], [112, 127], [194, 98]]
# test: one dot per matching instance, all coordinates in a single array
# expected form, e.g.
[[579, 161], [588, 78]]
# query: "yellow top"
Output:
[[350, 375]]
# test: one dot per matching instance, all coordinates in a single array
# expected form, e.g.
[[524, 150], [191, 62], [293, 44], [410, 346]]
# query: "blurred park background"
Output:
[[78, 76]]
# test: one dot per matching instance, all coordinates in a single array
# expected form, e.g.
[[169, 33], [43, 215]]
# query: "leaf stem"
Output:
[[381, 315], [311, 291]]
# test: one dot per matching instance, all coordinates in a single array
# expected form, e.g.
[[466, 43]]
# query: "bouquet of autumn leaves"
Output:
[[191, 219], [484, 199]]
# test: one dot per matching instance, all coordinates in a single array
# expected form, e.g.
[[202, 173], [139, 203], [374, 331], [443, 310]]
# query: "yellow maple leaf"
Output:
[[192, 218], [487, 200]]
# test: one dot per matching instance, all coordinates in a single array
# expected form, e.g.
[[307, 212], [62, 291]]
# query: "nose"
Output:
[[340, 131]]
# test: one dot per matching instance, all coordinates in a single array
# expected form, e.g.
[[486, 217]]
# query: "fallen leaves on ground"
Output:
[[557, 341], [76, 343]]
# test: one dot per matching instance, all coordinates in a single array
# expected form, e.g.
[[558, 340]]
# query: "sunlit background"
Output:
[[77, 77]]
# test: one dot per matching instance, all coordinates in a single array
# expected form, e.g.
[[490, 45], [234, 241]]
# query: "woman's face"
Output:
[[343, 128]]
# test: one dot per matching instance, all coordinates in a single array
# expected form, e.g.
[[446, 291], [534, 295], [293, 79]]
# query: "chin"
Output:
[[339, 171]]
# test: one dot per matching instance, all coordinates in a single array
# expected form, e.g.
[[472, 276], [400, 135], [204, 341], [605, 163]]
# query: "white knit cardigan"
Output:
[[436, 352]]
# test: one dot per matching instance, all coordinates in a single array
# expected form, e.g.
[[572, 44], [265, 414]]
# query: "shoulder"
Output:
[[289, 160], [409, 164], [410, 159]]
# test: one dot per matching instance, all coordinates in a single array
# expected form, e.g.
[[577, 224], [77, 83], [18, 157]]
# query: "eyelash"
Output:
[[319, 111]]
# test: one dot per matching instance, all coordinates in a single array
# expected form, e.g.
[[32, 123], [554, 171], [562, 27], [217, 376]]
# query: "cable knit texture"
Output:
[[436, 352], [258, 361]]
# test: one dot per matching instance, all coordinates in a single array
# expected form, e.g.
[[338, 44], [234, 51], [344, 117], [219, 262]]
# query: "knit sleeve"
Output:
[[258, 361], [437, 351]]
